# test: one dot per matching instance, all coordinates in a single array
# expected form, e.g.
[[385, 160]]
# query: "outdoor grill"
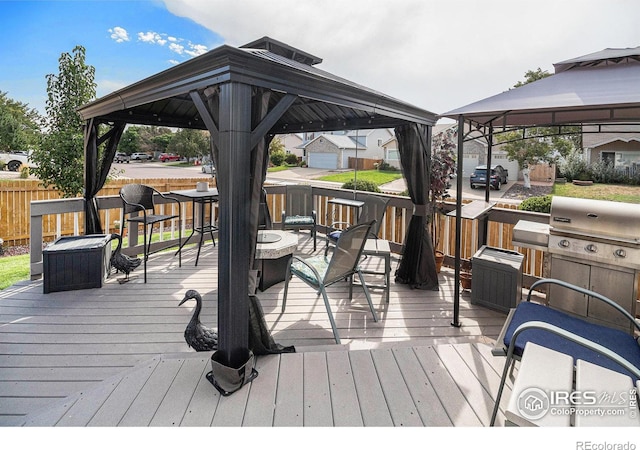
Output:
[[594, 244]]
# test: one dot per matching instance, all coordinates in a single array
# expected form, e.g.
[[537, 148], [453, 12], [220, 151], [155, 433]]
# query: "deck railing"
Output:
[[502, 218]]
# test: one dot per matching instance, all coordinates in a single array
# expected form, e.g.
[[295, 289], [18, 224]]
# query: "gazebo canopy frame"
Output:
[[243, 97], [596, 89]]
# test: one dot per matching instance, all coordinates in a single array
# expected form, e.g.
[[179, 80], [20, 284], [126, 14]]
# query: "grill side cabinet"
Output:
[[76, 262], [497, 278]]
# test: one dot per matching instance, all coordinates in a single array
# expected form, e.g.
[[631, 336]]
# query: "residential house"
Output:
[[475, 153], [619, 144], [331, 151], [293, 144], [370, 146]]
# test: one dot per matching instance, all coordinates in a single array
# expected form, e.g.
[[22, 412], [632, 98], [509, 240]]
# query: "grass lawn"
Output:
[[278, 168], [375, 176], [612, 192], [13, 269]]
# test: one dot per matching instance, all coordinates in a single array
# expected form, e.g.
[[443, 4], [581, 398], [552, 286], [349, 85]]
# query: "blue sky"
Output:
[[436, 54], [125, 41]]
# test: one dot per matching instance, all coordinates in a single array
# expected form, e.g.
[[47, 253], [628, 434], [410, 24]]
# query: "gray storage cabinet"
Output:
[[497, 278], [76, 262]]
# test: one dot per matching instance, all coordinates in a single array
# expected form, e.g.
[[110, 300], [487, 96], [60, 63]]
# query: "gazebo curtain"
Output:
[[260, 340], [96, 174], [418, 266]]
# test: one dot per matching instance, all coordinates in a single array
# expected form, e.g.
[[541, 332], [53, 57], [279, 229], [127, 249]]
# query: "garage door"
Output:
[[323, 160]]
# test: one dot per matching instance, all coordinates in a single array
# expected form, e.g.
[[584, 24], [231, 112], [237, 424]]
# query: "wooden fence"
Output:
[[363, 163], [542, 172], [59, 217], [16, 197]]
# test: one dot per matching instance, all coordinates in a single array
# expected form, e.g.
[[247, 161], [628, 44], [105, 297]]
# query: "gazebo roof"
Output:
[[324, 101], [596, 88]]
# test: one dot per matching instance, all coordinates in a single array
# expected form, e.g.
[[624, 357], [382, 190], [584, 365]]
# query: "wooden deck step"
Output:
[[401, 386]]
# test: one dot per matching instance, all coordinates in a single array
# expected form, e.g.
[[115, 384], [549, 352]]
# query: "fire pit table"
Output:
[[273, 251]]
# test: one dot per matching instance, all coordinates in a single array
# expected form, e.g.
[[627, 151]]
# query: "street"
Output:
[[136, 169]]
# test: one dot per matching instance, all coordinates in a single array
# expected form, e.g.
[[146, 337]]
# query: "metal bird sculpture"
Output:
[[198, 337], [121, 262]]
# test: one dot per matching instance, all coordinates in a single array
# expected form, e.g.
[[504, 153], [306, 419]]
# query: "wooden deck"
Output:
[[117, 356]]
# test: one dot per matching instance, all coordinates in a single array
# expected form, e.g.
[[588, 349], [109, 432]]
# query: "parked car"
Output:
[[499, 176], [207, 167], [164, 157], [16, 159], [122, 158], [140, 157]]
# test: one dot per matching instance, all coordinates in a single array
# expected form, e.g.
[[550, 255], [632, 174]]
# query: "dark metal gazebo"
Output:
[[243, 97]]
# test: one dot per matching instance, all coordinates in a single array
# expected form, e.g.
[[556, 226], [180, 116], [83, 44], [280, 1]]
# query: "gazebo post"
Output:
[[234, 206], [458, 247]]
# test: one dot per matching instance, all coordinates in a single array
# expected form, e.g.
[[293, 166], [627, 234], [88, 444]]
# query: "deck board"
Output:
[[344, 398], [126, 341]]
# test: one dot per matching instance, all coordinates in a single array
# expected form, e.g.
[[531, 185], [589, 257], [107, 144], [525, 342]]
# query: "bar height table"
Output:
[[202, 198]]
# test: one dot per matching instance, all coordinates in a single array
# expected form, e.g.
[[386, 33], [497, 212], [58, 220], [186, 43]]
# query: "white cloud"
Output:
[[177, 48], [151, 37], [437, 54], [175, 43], [196, 49], [119, 34]]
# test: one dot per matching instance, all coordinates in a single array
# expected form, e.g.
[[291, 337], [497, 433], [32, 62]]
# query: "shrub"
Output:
[[291, 159], [537, 204], [277, 157], [575, 167], [385, 166], [24, 172], [361, 185], [2, 165]]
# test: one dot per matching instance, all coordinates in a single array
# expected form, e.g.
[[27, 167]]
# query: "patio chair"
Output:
[[557, 330], [139, 205], [319, 271], [299, 213], [264, 220], [374, 208]]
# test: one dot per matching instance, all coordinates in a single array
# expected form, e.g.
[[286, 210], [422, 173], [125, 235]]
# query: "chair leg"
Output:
[[287, 278], [313, 231], [368, 296], [145, 251], [331, 319], [503, 380]]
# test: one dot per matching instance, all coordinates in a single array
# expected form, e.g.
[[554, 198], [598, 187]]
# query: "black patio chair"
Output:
[[299, 213], [264, 219], [319, 271], [139, 205], [374, 208]]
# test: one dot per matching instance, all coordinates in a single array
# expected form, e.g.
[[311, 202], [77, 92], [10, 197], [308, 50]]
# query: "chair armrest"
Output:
[[604, 351], [588, 292]]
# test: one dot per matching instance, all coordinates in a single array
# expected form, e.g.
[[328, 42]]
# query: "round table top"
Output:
[[286, 244]]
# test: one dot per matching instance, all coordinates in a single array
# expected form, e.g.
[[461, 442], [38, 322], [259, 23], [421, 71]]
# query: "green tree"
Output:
[[189, 143], [539, 143], [130, 141], [19, 125], [60, 159], [155, 139], [277, 153]]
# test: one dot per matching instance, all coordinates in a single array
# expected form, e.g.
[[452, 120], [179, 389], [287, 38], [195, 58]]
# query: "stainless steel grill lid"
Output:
[[587, 217]]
